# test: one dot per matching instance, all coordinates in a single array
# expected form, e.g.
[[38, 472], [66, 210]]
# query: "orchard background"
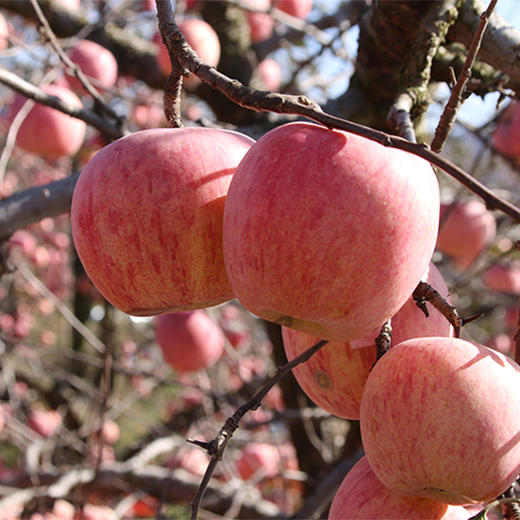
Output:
[[93, 421]]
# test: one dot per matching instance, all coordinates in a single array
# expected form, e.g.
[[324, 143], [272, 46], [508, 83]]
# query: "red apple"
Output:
[[46, 131], [193, 460], [466, 230], [156, 247], [258, 459], [96, 62], [334, 377], [62, 510], [362, 496], [297, 8], [506, 137], [201, 37], [44, 422], [69, 4], [503, 278], [326, 231], [189, 340], [439, 419], [4, 32], [110, 432], [270, 73], [98, 512], [261, 25]]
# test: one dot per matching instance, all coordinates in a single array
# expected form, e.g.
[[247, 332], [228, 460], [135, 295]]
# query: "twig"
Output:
[[455, 100], [301, 105], [384, 340], [217, 446], [27, 89]]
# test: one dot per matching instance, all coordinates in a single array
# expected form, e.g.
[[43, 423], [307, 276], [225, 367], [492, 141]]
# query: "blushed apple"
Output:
[[155, 246], [189, 340], [258, 459], [503, 278], [201, 37], [334, 377], [328, 232], [506, 137], [96, 62], [297, 8], [4, 32], [362, 496], [467, 229], [261, 24], [47, 132], [44, 422], [270, 73], [439, 419]]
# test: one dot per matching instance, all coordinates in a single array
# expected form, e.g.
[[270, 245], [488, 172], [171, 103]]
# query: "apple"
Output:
[[201, 37], [261, 25], [270, 73], [193, 460], [44, 422], [157, 247], [334, 377], [189, 340], [503, 278], [467, 229], [362, 496], [96, 62], [4, 33], [63, 510], [46, 131], [439, 419], [69, 4], [506, 137], [258, 459], [326, 231], [110, 432], [98, 512], [297, 8]]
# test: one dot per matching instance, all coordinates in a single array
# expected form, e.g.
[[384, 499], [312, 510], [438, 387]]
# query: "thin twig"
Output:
[[455, 101], [217, 446]]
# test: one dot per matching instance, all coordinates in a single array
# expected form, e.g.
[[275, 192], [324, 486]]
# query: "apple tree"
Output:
[[259, 259]]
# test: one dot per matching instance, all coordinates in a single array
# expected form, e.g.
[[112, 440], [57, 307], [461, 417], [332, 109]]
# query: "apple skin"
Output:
[[46, 131], [4, 33], [334, 377], [189, 340], [156, 247], [297, 8], [362, 496], [466, 231], [258, 457], [96, 62], [439, 419], [503, 278], [201, 37], [321, 225], [506, 137], [261, 25]]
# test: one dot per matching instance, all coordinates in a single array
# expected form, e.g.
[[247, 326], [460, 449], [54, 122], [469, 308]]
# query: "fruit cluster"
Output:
[[328, 234]]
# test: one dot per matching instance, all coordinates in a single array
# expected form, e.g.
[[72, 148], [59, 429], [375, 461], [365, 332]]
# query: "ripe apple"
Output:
[[503, 278], [439, 419], [270, 73], [201, 37], [4, 32], [189, 340], [334, 377], [44, 422], [297, 8], [506, 137], [326, 231], [46, 131], [96, 62], [193, 460], [261, 25], [258, 459], [467, 229], [363, 496], [156, 247]]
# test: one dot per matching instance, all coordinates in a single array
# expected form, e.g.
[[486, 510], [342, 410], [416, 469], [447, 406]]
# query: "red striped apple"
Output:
[[439, 419], [260, 459], [261, 25], [270, 73], [326, 231], [146, 218], [46, 131], [334, 377], [506, 137], [189, 340], [297, 8], [467, 229], [503, 278], [96, 62], [362, 496]]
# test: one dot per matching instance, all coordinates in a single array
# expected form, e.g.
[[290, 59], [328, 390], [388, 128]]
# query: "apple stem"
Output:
[[384, 340]]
